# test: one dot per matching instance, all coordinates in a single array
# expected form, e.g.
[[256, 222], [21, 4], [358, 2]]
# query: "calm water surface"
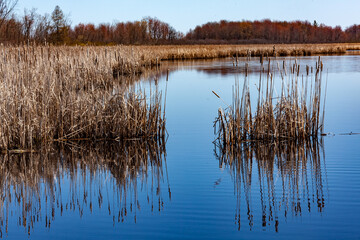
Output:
[[189, 190]]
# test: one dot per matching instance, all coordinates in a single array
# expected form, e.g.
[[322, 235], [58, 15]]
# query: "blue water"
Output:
[[191, 195]]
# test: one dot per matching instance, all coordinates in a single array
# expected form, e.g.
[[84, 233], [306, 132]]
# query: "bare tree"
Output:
[[28, 22], [42, 28], [6, 7]]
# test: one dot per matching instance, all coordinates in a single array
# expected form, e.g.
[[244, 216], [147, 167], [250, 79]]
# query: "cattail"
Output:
[[293, 116], [68, 93]]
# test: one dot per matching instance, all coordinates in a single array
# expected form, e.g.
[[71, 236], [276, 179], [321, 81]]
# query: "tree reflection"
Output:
[[38, 187], [290, 176]]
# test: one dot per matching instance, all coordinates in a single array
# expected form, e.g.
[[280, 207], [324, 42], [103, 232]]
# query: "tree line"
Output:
[[267, 31], [55, 29]]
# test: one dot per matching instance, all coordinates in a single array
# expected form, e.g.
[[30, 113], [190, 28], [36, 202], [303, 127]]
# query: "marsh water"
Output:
[[188, 189]]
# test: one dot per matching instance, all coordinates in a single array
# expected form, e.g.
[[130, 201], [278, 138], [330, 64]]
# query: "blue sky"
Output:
[[186, 14]]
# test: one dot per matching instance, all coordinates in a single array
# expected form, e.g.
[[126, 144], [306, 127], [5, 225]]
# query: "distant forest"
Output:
[[55, 28]]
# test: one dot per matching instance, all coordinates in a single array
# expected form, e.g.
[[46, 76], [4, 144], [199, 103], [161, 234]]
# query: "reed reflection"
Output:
[[119, 178], [290, 176]]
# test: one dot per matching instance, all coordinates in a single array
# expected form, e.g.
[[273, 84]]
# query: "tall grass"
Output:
[[277, 133], [293, 112], [143, 57], [60, 93]]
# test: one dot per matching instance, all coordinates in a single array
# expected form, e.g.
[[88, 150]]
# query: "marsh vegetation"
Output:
[[83, 129], [274, 184], [293, 110], [52, 94]]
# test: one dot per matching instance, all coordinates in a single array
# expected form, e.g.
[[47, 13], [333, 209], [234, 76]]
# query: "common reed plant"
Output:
[[143, 57], [52, 93], [293, 112], [118, 178], [61, 93], [220, 51]]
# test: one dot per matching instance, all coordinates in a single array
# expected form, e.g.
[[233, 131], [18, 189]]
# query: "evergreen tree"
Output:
[[60, 27]]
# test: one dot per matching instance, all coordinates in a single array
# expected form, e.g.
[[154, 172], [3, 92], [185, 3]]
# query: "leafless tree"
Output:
[[28, 22], [6, 7], [42, 28]]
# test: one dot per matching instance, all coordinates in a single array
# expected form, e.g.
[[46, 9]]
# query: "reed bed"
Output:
[[293, 112], [143, 57], [118, 178], [61, 93], [219, 51], [52, 93], [290, 175]]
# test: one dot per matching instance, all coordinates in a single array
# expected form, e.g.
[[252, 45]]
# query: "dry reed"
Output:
[[60, 93], [143, 57], [293, 113]]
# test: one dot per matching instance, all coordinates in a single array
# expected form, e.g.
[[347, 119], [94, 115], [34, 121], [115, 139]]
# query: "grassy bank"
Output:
[[218, 51], [144, 56]]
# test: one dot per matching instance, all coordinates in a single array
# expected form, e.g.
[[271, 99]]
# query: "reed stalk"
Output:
[[52, 94], [292, 114]]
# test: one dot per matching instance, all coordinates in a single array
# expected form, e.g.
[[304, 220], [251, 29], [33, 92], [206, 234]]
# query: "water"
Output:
[[187, 192]]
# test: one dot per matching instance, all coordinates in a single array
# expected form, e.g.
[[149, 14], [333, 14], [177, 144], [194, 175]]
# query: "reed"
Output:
[[293, 112], [144, 57], [58, 93], [52, 94]]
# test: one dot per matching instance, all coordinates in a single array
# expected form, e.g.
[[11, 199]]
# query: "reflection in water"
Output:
[[37, 187], [332, 64], [289, 174], [254, 67]]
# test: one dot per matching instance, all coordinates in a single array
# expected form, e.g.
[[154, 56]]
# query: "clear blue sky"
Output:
[[186, 14]]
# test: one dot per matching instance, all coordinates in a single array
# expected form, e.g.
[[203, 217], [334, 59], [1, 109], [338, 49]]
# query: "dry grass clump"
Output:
[[290, 176], [275, 141], [38, 187], [290, 113], [62, 93]]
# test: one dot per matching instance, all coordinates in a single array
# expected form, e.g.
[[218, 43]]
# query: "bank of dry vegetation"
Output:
[[50, 93], [146, 56], [59, 93]]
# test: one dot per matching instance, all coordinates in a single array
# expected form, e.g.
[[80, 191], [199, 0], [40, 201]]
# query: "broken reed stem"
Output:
[[294, 114]]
